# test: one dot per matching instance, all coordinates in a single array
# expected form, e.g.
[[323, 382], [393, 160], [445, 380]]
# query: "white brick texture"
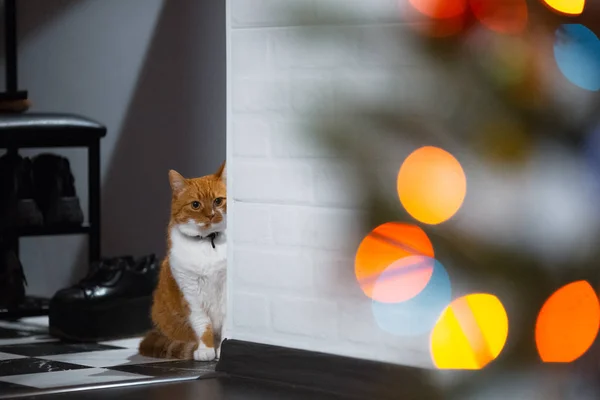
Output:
[[263, 181], [255, 95], [295, 205], [275, 270], [300, 316], [321, 228], [250, 311], [251, 137]]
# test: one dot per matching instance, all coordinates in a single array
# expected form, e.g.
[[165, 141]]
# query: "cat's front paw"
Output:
[[218, 353], [204, 354]]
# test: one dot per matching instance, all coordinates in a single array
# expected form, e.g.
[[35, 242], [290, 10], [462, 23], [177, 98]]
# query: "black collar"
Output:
[[210, 237]]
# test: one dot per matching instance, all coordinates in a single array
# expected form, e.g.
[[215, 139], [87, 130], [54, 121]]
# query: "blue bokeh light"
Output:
[[577, 54], [419, 314]]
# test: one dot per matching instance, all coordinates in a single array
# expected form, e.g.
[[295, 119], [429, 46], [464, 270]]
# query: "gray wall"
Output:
[[153, 71]]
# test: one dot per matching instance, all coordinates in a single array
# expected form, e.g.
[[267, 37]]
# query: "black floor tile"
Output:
[[15, 334], [238, 389], [170, 368], [202, 389], [22, 366], [52, 348], [13, 388]]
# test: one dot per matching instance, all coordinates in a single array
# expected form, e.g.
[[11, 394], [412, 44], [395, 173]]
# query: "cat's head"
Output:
[[199, 205]]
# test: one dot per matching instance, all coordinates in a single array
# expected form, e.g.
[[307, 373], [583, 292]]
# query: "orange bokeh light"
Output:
[[568, 323], [431, 185], [440, 8], [502, 16], [471, 333], [425, 25], [439, 28], [404, 248]]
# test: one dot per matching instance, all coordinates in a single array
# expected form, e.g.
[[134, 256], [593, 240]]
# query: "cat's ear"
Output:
[[177, 181], [222, 172]]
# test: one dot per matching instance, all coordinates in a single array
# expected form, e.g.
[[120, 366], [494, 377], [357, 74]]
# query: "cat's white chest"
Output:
[[200, 271], [197, 255]]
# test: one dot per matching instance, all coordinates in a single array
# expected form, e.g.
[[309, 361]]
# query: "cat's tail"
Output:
[[157, 345]]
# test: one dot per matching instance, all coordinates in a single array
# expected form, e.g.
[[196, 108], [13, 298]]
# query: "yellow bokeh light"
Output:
[[471, 333], [431, 185], [569, 7]]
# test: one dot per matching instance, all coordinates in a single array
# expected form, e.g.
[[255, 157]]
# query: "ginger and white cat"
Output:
[[190, 300]]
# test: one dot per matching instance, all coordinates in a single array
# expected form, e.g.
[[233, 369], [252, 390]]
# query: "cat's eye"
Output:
[[218, 201], [195, 205]]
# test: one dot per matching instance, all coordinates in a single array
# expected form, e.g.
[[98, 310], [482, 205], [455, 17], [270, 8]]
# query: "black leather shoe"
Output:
[[17, 205], [12, 280], [112, 302], [55, 190]]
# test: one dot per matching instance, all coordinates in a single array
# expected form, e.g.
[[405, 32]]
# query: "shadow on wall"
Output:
[[45, 12], [28, 23], [176, 120]]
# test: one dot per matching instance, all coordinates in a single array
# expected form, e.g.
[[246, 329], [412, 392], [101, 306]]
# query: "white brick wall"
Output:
[[295, 218]]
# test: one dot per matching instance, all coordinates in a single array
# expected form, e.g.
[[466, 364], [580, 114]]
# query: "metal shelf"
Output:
[[53, 230]]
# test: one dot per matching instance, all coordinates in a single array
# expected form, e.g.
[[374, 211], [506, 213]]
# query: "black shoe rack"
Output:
[[47, 130]]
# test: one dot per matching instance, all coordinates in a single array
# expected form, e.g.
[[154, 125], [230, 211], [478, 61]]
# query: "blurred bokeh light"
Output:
[[386, 248], [438, 28], [419, 314], [403, 279], [507, 58], [471, 333], [568, 323], [504, 140], [569, 7], [440, 8], [431, 185], [502, 16], [577, 54], [429, 26]]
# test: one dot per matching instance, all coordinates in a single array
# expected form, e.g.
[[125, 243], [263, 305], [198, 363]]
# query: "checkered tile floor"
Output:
[[32, 360]]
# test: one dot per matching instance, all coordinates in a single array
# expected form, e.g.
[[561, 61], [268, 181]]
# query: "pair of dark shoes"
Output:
[[38, 191], [12, 279], [113, 301]]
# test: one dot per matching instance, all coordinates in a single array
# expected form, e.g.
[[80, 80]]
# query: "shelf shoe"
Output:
[[55, 190], [12, 280], [112, 302], [18, 207]]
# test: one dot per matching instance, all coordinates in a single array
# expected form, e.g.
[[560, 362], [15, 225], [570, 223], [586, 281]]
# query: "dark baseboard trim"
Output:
[[344, 376]]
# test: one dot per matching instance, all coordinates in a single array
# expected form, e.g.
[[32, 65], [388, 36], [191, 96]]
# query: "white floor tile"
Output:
[[131, 343], [75, 377], [42, 321], [105, 358], [27, 340], [34, 324], [7, 356]]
